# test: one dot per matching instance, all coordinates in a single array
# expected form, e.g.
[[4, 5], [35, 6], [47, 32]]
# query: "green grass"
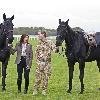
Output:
[[58, 82]]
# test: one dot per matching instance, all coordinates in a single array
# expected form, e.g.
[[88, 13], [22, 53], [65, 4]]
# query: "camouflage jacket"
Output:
[[43, 51]]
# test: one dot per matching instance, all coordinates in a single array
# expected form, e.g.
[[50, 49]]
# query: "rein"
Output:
[[62, 52], [8, 31]]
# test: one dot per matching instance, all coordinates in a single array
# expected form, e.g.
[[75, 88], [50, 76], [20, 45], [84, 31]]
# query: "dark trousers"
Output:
[[22, 65]]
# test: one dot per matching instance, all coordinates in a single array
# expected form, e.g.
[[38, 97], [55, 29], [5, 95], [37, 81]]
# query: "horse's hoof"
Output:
[[81, 92], [3, 89], [98, 89], [68, 91]]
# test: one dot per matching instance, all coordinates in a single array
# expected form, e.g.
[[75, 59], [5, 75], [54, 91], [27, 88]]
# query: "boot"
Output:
[[25, 91], [19, 85], [26, 86]]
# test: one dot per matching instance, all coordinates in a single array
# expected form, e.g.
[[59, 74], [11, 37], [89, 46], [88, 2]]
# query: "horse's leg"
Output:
[[81, 67], [98, 64], [0, 69], [4, 66], [71, 69]]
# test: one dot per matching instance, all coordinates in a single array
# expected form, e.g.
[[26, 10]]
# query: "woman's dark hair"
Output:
[[22, 38], [44, 33]]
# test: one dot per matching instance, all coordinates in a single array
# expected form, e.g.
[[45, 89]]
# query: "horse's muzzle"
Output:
[[10, 45]]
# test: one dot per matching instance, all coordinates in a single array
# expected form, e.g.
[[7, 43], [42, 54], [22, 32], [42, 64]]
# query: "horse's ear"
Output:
[[12, 17], [4, 16], [59, 21], [67, 22]]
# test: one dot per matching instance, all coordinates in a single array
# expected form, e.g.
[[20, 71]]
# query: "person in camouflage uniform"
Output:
[[43, 60]]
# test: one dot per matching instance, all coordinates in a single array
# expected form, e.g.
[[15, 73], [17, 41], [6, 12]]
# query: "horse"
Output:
[[6, 39], [76, 50]]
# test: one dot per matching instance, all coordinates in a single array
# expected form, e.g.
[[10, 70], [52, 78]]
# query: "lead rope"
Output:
[[61, 52]]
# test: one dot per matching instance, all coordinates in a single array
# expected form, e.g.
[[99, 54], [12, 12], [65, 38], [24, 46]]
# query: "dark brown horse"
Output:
[[76, 50], [6, 39]]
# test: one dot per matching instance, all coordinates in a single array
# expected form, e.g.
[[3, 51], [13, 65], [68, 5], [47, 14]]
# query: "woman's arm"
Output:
[[13, 50], [37, 54]]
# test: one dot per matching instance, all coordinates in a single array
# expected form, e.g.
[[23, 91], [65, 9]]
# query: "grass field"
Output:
[[58, 82]]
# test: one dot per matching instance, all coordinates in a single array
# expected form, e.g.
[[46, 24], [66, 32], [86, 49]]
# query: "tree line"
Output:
[[34, 30]]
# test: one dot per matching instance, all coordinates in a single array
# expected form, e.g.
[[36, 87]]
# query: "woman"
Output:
[[23, 61]]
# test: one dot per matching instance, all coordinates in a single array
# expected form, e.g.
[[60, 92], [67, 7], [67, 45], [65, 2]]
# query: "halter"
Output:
[[6, 32], [63, 49]]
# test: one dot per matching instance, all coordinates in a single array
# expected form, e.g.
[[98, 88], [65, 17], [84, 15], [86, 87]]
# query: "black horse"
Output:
[[6, 39], [76, 50]]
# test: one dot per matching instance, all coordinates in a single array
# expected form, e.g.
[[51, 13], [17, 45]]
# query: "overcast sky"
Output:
[[46, 13]]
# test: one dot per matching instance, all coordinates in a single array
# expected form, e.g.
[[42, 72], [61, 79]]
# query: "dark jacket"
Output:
[[29, 54]]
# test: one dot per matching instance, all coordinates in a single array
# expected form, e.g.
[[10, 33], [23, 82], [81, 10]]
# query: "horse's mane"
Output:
[[72, 35], [74, 40], [70, 29]]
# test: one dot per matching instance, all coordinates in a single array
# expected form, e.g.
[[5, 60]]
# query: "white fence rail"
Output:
[[32, 37]]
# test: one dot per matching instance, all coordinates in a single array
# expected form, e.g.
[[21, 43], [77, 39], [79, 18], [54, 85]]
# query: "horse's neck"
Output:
[[69, 38], [1, 28], [2, 41], [74, 44], [70, 31]]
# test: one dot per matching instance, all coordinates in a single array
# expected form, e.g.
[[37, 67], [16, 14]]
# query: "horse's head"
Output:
[[61, 30], [8, 28]]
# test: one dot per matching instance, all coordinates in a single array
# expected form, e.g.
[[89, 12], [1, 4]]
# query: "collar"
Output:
[[43, 41]]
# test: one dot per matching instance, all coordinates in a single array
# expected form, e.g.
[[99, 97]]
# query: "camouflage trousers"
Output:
[[43, 72]]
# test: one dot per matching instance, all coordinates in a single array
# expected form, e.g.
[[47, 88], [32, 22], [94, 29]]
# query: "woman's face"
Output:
[[26, 39]]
